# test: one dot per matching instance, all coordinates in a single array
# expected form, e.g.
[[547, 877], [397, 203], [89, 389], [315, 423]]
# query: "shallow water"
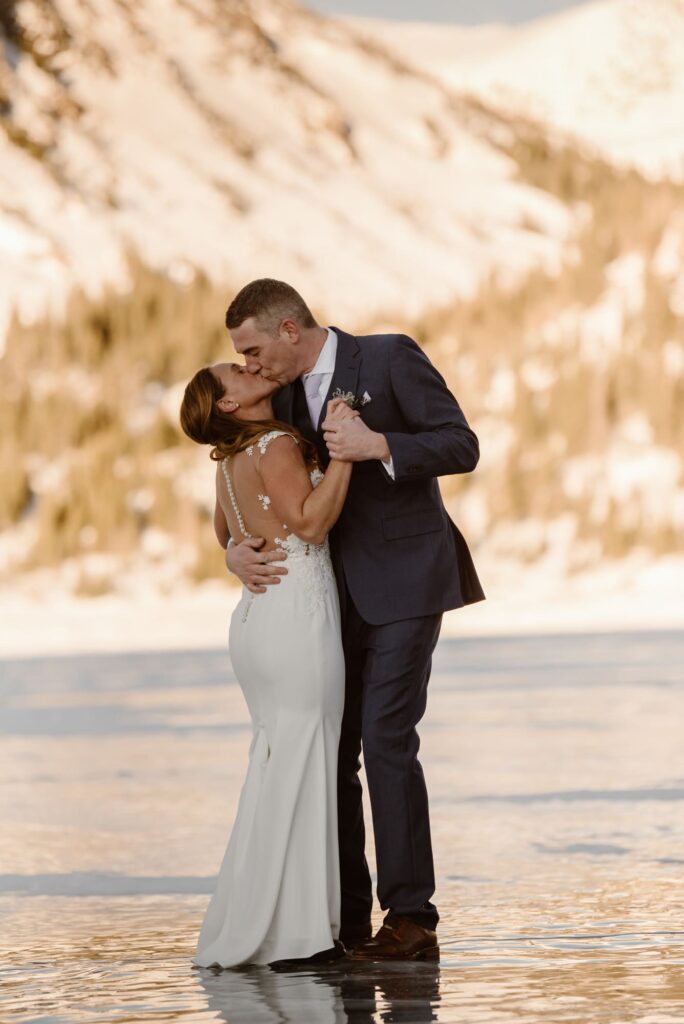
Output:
[[555, 767]]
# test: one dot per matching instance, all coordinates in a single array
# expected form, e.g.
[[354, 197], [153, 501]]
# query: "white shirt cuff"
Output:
[[389, 466]]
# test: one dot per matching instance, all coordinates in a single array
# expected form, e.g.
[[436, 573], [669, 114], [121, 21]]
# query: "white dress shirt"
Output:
[[325, 366]]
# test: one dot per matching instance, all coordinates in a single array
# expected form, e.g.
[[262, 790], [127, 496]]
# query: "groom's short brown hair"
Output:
[[268, 301]]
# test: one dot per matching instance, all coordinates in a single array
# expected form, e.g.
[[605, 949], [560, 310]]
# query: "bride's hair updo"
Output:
[[203, 421]]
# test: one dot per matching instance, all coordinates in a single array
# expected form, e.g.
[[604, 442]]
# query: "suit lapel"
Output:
[[347, 364], [289, 406], [345, 377], [283, 404]]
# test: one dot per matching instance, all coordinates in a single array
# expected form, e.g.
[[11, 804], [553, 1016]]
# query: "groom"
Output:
[[400, 563]]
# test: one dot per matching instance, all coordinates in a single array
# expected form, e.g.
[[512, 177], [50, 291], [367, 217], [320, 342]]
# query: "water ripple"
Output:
[[555, 772]]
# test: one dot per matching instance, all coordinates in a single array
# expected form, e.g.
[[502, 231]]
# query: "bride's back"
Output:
[[242, 494]]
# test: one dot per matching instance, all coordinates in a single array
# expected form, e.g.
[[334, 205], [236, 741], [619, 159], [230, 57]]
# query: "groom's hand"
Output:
[[255, 568], [353, 441]]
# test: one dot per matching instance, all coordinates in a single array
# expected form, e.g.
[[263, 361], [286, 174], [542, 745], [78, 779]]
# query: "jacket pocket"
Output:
[[412, 524]]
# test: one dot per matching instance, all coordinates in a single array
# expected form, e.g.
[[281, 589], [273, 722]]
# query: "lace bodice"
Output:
[[249, 509]]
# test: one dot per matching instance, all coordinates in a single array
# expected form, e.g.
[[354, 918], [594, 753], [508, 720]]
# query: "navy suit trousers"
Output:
[[387, 673]]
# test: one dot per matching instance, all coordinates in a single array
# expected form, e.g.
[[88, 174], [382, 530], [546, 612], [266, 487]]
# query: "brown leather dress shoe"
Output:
[[354, 934], [399, 939]]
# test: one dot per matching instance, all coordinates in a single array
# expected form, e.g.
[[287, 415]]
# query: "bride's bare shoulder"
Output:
[[276, 441]]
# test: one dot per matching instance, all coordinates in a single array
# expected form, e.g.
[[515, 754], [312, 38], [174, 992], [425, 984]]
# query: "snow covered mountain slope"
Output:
[[247, 139], [609, 72]]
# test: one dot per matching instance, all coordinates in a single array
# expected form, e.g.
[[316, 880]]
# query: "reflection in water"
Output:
[[264, 997], [338, 994], [556, 777]]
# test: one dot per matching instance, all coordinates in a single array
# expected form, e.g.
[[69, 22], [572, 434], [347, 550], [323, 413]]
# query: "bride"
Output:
[[278, 890]]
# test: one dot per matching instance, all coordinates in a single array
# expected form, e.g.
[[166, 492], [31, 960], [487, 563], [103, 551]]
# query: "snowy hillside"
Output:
[[610, 72], [251, 138], [155, 155]]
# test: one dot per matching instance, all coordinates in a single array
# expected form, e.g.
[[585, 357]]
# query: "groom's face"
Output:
[[273, 356]]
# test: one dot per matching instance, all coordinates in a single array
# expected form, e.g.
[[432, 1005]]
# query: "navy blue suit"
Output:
[[400, 563]]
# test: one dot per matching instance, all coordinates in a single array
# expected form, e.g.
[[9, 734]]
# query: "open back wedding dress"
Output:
[[277, 894]]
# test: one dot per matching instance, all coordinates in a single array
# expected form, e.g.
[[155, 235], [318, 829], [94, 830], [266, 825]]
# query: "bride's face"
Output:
[[242, 390]]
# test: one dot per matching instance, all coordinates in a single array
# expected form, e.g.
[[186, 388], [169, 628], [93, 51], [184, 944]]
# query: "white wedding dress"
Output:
[[278, 890]]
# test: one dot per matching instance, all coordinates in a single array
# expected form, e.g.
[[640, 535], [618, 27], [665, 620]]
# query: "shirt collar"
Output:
[[326, 357]]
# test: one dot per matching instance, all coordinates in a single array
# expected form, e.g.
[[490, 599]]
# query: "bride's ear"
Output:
[[227, 405]]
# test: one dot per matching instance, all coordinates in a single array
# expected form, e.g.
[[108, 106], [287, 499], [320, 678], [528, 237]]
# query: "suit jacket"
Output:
[[394, 546]]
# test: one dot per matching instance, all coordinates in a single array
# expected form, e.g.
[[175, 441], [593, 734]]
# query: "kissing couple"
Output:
[[328, 447]]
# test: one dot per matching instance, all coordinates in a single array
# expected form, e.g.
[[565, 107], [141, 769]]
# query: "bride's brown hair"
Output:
[[203, 421]]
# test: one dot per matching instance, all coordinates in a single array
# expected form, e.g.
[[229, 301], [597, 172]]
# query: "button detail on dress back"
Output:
[[233, 500], [241, 523]]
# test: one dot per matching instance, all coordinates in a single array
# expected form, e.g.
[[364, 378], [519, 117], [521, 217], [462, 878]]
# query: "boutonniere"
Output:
[[352, 400]]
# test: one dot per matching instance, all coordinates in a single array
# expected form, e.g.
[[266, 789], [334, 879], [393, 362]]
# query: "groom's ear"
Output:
[[288, 330]]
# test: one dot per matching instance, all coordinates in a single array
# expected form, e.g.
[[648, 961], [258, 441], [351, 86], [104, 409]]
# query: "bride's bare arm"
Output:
[[221, 528], [309, 511]]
